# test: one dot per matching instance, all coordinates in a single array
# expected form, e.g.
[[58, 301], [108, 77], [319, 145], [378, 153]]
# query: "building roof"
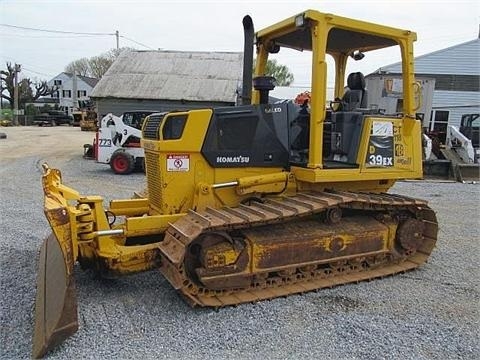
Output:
[[461, 59], [46, 100], [88, 80], [173, 75]]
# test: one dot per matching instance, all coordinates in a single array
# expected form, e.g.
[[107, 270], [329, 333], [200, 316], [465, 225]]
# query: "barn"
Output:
[[169, 80]]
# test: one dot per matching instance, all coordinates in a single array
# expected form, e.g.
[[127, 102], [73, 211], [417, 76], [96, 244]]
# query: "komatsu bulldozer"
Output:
[[259, 200]]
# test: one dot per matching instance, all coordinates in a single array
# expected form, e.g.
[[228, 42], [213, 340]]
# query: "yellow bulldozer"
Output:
[[260, 200], [85, 116]]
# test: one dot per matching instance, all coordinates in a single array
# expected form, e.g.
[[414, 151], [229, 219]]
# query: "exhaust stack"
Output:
[[248, 32]]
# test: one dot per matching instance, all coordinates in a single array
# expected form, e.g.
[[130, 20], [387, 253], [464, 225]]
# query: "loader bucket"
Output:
[[468, 172], [56, 303]]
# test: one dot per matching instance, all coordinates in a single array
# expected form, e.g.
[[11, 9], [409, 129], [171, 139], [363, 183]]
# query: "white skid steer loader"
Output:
[[117, 142]]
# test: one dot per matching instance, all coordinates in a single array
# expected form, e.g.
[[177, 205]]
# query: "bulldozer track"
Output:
[[296, 279]]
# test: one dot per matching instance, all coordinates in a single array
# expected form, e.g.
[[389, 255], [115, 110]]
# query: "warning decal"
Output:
[[178, 162]]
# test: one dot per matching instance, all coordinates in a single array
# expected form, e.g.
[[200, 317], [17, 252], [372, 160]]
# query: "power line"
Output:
[[136, 42], [36, 72], [55, 31], [29, 64], [71, 33], [46, 36]]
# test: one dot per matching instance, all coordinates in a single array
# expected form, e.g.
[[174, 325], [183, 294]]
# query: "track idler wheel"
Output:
[[333, 215], [214, 259], [409, 236]]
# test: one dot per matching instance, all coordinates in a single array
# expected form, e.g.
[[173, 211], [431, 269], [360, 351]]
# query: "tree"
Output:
[[280, 72], [99, 65], [96, 66], [28, 90], [7, 79], [80, 67]]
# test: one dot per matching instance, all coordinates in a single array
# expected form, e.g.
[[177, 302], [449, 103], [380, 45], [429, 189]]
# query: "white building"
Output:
[[65, 84], [456, 71]]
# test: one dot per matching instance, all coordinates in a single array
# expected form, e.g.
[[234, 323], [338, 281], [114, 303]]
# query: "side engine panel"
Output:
[[249, 136]]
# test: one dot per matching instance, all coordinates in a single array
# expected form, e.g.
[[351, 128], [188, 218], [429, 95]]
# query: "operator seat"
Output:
[[348, 119], [356, 94]]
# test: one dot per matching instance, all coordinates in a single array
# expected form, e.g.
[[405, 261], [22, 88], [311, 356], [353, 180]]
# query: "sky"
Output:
[[207, 26]]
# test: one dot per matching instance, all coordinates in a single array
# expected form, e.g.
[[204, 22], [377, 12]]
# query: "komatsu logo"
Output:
[[233, 159]]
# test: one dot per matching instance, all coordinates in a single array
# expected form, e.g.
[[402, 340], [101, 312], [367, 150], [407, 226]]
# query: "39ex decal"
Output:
[[380, 144], [178, 162]]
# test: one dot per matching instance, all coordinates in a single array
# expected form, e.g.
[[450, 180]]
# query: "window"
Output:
[[440, 120], [67, 93], [127, 119], [81, 93], [57, 82], [173, 127], [135, 118], [56, 94], [450, 82], [439, 123]]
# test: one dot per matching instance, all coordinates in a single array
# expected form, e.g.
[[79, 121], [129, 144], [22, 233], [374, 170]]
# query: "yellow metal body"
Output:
[[82, 226], [171, 194], [176, 191], [179, 191], [86, 119]]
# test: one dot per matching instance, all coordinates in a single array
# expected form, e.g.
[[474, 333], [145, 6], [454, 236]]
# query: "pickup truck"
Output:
[[53, 118]]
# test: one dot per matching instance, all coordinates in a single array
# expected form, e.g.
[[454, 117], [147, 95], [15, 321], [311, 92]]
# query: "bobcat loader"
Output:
[[117, 142], [257, 201]]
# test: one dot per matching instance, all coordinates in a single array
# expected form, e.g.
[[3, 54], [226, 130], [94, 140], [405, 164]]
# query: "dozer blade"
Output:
[[56, 302]]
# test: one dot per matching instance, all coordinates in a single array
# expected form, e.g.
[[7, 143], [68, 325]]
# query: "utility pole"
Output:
[[74, 92], [15, 94], [118, 39]]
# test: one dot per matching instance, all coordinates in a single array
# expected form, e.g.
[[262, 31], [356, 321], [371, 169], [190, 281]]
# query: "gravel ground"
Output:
[[430, 313]]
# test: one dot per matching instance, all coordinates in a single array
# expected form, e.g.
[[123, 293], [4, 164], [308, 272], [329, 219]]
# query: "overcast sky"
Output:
[[206, 26]]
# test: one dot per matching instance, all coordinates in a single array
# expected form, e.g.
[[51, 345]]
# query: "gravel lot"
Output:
[[430, 313]]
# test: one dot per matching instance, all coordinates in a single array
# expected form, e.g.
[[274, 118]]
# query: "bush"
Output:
[[6, 114], [31, 110]]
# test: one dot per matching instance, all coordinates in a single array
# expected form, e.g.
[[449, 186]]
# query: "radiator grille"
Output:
[[151, 127], [154, 180]]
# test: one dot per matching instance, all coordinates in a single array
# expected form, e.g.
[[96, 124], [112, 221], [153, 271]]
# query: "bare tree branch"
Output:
[[42, 89], [28, 90], [95, 66], [99, 65], [80, 67]]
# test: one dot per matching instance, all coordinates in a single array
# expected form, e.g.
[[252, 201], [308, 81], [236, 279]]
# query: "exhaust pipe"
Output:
[[248, 32]]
